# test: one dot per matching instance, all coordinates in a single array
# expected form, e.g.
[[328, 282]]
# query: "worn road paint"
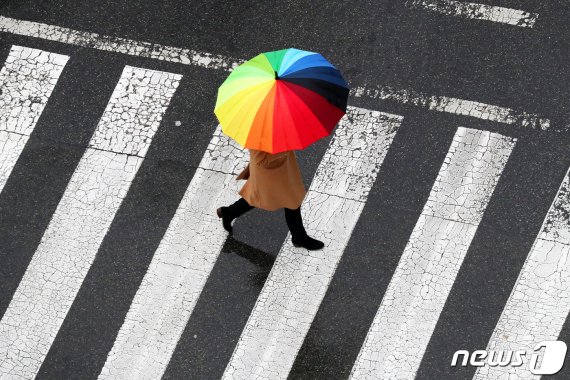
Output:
[[83, 216], [453, 105], [28, 79], [179, 268], [540, 301], [429, 264], [116, 44], [477, 11], [299, 278], [212, 61]]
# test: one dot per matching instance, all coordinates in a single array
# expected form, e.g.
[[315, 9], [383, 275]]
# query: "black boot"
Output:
[[299, 236], [228, 214], [226, 219]]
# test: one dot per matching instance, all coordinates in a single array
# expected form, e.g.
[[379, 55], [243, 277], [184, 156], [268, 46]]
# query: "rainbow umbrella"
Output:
[[281, 100]]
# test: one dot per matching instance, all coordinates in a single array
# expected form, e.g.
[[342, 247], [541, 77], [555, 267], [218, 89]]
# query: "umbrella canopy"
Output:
[[281, 100]]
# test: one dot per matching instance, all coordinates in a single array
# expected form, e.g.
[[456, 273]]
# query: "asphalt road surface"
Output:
[[443, 196]]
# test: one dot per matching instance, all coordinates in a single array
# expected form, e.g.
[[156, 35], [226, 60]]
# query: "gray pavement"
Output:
[[440, 72]]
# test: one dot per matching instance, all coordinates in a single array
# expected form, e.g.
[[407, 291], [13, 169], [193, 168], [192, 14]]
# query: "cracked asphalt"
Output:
[[442, 196]]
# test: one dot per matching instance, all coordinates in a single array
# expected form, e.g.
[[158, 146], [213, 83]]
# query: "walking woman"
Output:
[[273, 181], [274, 104]]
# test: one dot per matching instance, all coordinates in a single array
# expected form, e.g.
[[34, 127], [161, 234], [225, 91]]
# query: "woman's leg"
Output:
[[228, 214], [299, 236], [238, 208]]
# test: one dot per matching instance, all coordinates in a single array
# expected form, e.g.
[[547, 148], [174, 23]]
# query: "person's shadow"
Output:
[[264, 261]]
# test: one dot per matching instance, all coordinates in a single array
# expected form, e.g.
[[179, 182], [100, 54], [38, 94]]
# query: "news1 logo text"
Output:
[[551, 363]]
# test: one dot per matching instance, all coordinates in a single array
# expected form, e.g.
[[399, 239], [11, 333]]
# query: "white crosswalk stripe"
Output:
[[26, 82], [454, 106], [540, 300], [116, 44], [429, 264], [82, 219], [298, 280], [477, 11]]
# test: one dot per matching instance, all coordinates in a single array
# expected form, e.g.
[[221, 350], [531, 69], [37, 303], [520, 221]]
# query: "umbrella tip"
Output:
[[276, 76]]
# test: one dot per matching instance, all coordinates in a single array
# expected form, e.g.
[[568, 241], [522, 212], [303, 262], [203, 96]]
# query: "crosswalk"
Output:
[[292, 294], [82, 218], [540, 302], [179, 269], [427, 269]]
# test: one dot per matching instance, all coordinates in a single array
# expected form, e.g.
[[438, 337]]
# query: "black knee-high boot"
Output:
[[228, 214], [299, 236]]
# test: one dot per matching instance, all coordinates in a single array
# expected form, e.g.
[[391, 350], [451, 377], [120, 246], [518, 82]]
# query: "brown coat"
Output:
[[273, 181]]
